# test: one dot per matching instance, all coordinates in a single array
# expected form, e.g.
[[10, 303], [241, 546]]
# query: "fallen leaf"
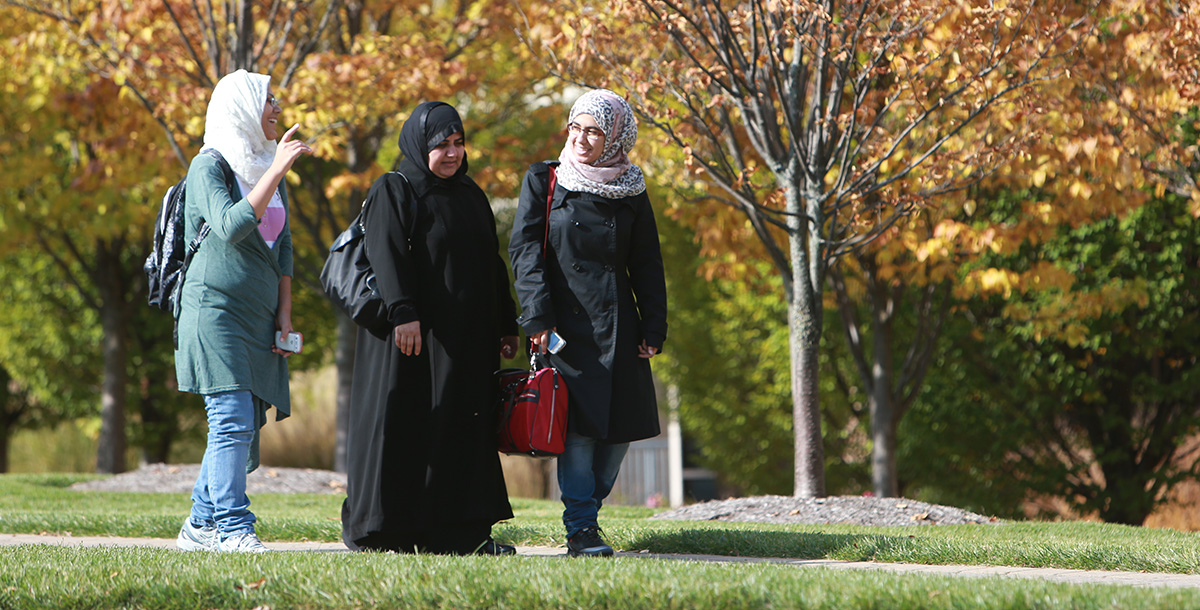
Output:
[[920, 517], [795, 512], [252, 585], [901, 506]]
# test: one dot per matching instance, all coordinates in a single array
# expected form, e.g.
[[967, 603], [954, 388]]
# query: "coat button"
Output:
[[576, 267], [574, 310], [608, 268], [608, 223], [577, 223]]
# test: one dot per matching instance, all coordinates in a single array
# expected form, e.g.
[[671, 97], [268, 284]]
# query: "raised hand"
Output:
[[289, 150]]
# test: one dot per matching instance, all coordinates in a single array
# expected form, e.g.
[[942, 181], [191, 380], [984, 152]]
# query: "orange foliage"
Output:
[[934, 98], [1111, 135]]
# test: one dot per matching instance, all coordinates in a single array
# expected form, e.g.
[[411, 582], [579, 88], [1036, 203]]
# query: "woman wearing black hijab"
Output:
[[423, 471]]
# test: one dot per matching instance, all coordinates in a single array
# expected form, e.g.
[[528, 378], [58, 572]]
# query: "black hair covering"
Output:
[[430, 123]]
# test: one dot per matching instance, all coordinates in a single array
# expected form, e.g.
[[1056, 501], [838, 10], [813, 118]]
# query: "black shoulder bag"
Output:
[[349, 281]]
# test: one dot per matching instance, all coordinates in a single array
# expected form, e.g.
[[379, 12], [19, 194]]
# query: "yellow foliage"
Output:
[[1047, 276], [992, 281]]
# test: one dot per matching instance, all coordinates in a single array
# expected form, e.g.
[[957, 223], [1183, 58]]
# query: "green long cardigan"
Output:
[[230, 297]]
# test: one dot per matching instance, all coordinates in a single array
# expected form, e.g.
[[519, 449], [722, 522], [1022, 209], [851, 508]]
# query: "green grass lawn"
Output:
[[34, 576]]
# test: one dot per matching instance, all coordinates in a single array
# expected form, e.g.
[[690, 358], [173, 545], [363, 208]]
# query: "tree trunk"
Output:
[[6, 430], [241, 44], [110, 452], [884, 480], [804, 335], [804, 338], [882, 405], [346, 344], [9, 413]]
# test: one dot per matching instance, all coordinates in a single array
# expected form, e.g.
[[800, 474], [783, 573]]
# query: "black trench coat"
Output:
[[601, 284]]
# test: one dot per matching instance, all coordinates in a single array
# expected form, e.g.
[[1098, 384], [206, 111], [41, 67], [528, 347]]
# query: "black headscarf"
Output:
[[430, 123]]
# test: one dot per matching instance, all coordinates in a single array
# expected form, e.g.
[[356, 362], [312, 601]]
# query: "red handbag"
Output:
[[532, 411], [533, 404]]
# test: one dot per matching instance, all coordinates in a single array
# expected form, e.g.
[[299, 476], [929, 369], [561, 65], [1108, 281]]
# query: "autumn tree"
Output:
[[109, 77], [1121, 129], [1098, 417], [65, 203], [379, 61], [823, 124], [347, 72], [1108, 134], [42, 371]]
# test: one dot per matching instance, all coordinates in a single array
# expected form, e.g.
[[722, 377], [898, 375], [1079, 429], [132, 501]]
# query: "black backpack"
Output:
[[168, 260]]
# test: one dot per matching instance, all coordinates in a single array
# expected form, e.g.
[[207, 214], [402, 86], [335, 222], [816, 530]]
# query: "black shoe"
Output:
[[491, 547], [588, 543]]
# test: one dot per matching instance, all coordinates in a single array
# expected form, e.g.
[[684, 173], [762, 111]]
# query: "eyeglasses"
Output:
[[592, 133], [271, 100]]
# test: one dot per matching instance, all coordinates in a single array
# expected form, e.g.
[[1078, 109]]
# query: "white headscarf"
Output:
[[612, 175], [233, 124]]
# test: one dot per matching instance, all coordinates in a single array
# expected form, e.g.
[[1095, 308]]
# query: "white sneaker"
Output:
[[192, 538], [245, 542]]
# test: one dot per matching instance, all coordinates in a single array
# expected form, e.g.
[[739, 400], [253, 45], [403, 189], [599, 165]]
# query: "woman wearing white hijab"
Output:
[[594, 276], [236, 294]]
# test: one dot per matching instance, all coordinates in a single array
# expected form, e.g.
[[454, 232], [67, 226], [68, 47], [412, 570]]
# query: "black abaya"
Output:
[[422, 462]]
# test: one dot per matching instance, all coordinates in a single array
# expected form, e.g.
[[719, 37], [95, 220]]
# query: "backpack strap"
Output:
[[194, 245]]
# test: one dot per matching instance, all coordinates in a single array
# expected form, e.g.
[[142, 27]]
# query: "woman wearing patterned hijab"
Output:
[[598, 282], [423, 473], [236, 294]]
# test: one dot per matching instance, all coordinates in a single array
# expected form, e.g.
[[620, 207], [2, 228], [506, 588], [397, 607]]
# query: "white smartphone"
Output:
[[292, 343], [555, 343]]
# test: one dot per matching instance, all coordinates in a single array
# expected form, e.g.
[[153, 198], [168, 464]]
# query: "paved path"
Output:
[[1135, 579]]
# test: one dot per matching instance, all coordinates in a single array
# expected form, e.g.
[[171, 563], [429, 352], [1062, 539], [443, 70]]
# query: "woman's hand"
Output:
[[288, 151], [508, 347], [408, 338], [283, 316], [284, 326], [647, 351], [540, 341]]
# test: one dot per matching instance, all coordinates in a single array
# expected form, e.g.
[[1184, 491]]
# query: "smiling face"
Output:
[[448, 155], [585, 139], [270, 116]]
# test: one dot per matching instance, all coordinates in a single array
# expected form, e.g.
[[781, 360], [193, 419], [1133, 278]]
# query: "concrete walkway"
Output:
[[1134, 579]]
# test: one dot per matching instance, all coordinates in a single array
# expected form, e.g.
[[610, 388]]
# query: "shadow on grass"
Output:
[[749, 543]]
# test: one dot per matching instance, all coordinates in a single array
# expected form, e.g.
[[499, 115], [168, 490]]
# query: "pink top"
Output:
[[272, 222]]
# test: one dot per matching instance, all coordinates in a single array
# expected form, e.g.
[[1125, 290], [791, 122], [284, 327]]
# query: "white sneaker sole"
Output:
[[186, 543]]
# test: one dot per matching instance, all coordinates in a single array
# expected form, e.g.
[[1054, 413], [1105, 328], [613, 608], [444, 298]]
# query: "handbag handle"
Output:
[[549, 200], [545, 242]]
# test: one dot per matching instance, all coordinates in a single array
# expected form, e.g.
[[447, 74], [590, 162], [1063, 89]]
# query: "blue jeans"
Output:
[[587, 470], [219, 497]]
